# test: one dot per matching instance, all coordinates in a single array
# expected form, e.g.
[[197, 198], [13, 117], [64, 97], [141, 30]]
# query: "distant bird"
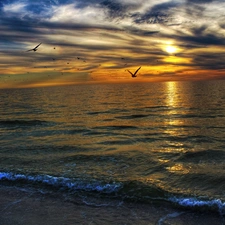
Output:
[[134, 74], [34, 49]]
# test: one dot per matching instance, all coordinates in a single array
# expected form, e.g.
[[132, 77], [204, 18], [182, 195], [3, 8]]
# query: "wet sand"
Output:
[[24, 207]]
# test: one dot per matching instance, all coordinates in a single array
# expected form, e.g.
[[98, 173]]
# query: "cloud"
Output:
[[71, 14], [201, 36], [157, 14], [200, 1], [210, 61], [16, 7], [104, 31], [166, 6], [114, 9]]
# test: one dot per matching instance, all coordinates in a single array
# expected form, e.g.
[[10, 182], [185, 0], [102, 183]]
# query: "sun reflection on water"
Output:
[[174, 130], [171, 93], [178, 168], [172, 102]]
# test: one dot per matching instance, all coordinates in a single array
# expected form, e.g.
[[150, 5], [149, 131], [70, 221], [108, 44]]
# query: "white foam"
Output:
[[63, 182], [194, 202]]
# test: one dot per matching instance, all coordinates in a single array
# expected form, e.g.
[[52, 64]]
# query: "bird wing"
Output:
[[37, 46], [137, 70], [130, 73], [33, 49]]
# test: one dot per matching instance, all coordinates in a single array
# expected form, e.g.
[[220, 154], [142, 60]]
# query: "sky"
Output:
[[97, 41]]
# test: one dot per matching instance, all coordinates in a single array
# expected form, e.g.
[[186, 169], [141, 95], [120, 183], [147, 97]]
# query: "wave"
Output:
[[60, 182], [125, 190], [133, 116], [203, 155], [116, 127], [14, 123], [98, 130], [214, 204]]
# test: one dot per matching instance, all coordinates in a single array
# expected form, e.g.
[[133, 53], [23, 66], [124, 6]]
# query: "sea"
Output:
[[147, 143]]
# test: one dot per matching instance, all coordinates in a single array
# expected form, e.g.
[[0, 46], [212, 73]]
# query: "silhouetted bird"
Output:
[[34, 49], [134, 74]]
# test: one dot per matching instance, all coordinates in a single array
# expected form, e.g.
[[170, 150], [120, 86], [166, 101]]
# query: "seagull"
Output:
[[34, 49], [134, 74]]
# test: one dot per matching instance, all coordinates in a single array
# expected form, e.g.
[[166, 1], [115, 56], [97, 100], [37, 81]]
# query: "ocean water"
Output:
[[139, 142]]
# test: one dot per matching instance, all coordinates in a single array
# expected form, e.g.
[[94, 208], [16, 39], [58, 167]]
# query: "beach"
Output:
[[25, 207]]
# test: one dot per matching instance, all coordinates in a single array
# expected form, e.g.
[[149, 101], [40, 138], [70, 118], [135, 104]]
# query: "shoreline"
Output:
[[20, 206]]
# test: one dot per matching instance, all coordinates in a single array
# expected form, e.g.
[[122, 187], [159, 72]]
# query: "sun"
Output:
[[171, 49]]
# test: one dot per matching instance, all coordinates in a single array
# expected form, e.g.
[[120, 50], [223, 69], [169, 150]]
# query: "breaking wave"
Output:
[[131, 191]]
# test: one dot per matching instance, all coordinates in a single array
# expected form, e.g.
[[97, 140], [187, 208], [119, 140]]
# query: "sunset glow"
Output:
[[171, 49], [98, 41]]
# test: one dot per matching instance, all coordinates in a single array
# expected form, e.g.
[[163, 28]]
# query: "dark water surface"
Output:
[[139, 142]]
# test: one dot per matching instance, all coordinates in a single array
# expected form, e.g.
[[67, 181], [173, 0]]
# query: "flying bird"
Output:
[[34, 49], [134, 74]]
